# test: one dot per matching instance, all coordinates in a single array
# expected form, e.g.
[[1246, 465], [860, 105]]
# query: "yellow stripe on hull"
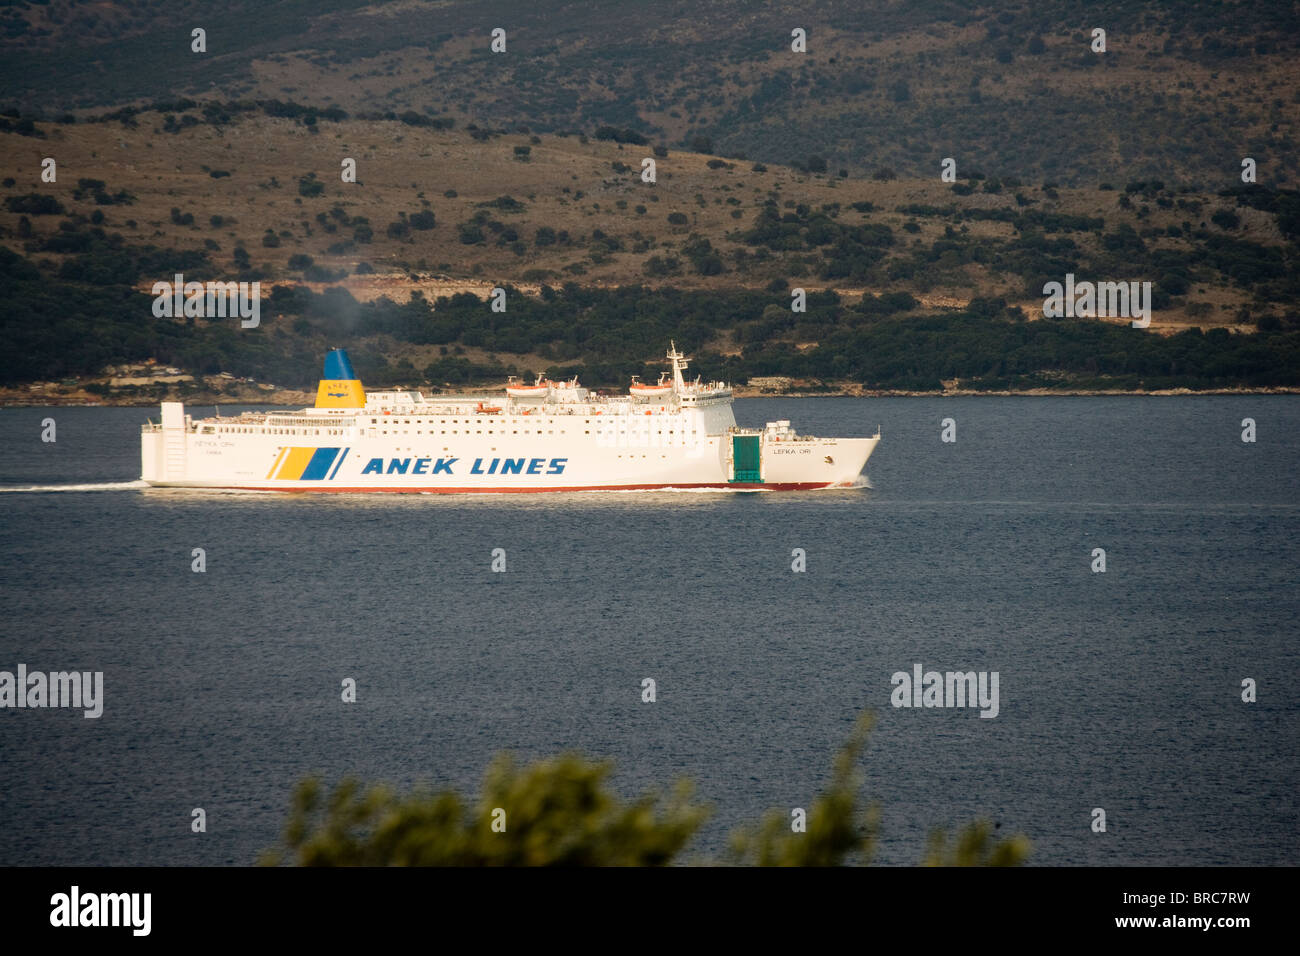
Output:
[[295, 464], [279, 458]]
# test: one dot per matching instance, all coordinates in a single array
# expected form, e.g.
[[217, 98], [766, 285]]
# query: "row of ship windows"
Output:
[[222, 430], [407, 431], [456, 421], [234, 430]]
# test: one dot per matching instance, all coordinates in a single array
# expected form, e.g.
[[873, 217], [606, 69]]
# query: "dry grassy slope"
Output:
[[938, 61], [1182, 91], [567, 185]]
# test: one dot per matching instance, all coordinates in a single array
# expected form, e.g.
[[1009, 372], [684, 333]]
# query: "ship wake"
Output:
[[98, 486]]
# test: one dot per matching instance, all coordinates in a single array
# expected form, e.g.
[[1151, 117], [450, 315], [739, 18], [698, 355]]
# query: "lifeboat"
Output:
[[540, 389], [641, 390], [483, 409]]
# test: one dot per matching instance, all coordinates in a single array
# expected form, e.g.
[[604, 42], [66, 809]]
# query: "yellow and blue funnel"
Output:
[[340, 387]]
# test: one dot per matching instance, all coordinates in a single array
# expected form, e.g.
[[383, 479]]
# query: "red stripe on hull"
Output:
[[727, 486]]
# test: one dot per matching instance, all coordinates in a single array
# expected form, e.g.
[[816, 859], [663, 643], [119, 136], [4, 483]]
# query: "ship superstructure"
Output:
[[548, 436]]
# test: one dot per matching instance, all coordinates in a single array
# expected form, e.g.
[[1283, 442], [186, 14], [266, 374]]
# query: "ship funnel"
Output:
[[339, 386]]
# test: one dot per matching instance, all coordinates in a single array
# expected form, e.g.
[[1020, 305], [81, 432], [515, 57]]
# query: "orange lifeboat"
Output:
[[640, 390], [540, 389]]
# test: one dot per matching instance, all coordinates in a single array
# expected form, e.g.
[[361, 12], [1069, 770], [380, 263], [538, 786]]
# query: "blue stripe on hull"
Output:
[[319, 466], [340, 463]]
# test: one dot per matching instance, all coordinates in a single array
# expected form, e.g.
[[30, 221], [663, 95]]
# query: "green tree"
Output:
[[839, 830], [560, 812], [975, 846]]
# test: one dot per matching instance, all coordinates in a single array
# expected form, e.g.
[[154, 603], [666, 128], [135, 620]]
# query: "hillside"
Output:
[[1181, 93], [523, 171], [471, 206]]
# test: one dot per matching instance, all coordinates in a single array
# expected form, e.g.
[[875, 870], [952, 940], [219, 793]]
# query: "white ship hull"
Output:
[[469, 466], [406, 442]]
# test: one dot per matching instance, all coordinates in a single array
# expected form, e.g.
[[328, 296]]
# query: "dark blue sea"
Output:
[[1120, 690]]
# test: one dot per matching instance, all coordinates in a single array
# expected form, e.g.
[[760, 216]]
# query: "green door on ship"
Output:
[[744, 457]]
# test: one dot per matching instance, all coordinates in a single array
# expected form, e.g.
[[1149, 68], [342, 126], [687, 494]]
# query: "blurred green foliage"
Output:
[[976, 846], [560, 812], [839, 831]]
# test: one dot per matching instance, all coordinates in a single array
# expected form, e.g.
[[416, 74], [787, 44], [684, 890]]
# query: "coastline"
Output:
[[289, 398]]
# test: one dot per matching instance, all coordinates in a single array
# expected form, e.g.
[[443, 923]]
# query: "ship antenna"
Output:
[[679, 365]]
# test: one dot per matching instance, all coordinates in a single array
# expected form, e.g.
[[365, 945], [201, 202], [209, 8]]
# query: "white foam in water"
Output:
[[102, 486]]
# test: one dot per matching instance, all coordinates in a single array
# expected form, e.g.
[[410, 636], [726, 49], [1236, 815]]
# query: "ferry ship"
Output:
[[548, 436]]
